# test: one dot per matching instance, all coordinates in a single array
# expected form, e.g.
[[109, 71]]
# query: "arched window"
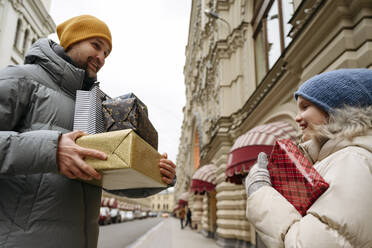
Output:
[[158, 206], [196, 150], [18, 31], [25, 40]]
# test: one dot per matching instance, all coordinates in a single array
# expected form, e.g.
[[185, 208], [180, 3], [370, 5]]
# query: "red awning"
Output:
[[176, 208], [204, 179], [246, 148], [183, 199]]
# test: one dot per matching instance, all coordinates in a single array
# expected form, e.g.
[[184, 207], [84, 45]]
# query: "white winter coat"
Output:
[[341, 216]]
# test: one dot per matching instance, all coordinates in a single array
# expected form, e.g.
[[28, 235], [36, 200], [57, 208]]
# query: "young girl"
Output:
[[335, 117]]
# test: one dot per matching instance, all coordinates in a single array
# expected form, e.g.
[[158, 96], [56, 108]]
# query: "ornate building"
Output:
[[142, 204], [244, 60], [162, 202], [22, 22]]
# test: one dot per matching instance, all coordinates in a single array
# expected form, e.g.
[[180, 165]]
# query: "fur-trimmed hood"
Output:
[[349, 126]]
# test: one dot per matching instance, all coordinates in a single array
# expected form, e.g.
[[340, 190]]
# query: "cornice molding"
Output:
[[39, 8], [206, 80], [302, 15], [224, 4], [17, 5], [231, 124], [224, 48]]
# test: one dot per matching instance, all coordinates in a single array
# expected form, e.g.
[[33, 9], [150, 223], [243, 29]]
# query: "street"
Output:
[[152, 233], [124, 234]]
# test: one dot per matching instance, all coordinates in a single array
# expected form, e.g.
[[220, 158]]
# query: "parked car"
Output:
[[153, 214], [137, 214], [122, 216], [129, 215], [114, 213], [125, 215], [104, 216], [165, 215], [143, 215]]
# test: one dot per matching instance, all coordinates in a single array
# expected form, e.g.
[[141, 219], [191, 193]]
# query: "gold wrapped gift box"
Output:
[[131, 162]]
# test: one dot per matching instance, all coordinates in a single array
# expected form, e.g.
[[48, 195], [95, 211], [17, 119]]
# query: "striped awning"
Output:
[[177, 207], [183, 199], [246, 148], [204, 179]]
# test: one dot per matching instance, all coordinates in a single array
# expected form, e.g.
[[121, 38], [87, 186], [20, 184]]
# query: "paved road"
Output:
[[168, 234], [123, 234]]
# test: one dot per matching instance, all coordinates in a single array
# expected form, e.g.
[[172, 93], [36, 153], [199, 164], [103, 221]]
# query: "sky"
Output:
[[149, 38]]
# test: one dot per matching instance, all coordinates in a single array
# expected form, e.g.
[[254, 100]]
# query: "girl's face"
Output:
[[309, 115]]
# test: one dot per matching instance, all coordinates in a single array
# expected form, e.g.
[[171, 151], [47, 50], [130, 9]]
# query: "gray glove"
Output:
[[258, 175]]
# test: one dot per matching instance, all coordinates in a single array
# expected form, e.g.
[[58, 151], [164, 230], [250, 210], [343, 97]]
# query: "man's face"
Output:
[[90, 54]]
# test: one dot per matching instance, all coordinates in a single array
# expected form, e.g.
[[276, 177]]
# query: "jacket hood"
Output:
[[349, 126], [347, 123], [66, 75]]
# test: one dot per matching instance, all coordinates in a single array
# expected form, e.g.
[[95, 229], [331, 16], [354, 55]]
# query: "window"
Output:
[[271, 28], [18, 31]]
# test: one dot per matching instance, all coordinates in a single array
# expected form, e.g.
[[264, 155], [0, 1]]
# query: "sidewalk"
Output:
[[168, 234]]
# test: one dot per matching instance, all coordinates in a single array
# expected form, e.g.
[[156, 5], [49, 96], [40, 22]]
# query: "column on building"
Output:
[[203, 183], [233, 229], [197, 211]]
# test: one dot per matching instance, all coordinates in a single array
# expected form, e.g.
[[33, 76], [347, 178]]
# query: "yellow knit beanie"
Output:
[[81, 28]]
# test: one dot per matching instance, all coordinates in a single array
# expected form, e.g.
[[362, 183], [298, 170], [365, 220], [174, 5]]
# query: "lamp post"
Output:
[[215, 15]]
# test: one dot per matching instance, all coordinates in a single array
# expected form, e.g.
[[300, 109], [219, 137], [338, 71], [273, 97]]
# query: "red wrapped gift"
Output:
[[293, 176]]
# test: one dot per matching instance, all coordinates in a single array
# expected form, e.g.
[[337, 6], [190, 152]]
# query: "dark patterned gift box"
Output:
[[293, 176], [128, 112]]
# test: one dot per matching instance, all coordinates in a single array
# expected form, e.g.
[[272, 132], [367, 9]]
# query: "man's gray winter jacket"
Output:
[[38, 206]]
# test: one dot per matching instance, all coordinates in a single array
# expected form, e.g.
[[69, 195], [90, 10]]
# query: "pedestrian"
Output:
[[40, 204], [188, 218], [182, 216], [335, 117]]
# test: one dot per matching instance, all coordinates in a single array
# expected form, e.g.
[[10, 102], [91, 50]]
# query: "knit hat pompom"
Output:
[[81, 28], [339, 88]]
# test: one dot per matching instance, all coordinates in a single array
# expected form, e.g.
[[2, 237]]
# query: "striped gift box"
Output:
[[88, 115], [293, 176]]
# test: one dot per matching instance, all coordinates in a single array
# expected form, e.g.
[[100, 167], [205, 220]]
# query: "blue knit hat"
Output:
[[335, 89]]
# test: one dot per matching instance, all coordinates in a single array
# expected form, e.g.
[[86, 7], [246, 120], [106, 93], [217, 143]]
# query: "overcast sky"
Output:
[[148, 55]]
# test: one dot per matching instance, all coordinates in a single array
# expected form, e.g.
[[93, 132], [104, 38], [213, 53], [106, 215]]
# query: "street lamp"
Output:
[[215, 15]]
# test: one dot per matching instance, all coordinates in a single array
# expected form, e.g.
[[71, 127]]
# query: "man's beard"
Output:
[[88, 80], [86, 65]]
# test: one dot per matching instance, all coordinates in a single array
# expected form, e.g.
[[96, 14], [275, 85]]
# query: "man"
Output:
[[40, 204], [188, 218]]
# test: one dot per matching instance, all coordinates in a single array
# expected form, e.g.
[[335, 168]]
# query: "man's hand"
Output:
[[70, 157], [167, 169]]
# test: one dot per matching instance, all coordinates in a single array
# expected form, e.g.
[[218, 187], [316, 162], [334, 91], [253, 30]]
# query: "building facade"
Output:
[[142, 204], [22, 22], [162, 202], [244, 60]]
